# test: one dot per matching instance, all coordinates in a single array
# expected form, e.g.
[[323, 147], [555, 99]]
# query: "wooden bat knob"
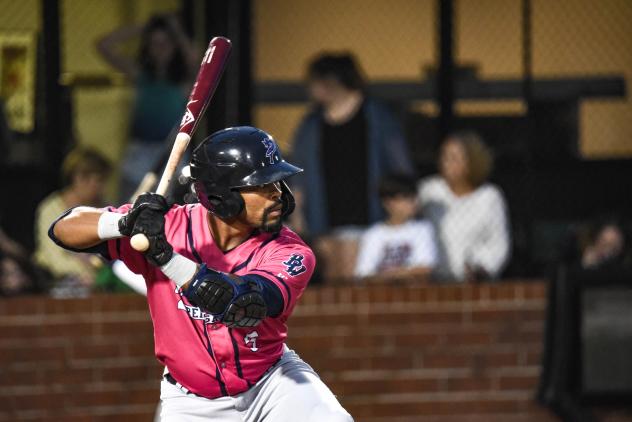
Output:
[[139, 242]]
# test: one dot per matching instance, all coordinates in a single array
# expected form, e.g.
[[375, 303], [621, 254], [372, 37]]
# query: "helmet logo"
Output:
[[271, 148]]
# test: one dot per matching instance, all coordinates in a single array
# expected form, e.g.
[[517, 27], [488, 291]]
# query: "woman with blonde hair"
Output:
[[84, 175], [469, 214]]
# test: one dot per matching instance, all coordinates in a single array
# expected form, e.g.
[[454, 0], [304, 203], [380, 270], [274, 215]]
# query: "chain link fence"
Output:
[[102, 97], [542, 83], [19, 30], [390, 40]]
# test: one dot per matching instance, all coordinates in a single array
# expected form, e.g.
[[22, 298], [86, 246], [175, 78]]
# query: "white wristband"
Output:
[[108, 226], [180, 269]]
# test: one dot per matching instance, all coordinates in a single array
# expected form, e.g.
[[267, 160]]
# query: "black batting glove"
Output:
[[247, 310], [148, 217], [145, 201], [160, 251], [233, 300]]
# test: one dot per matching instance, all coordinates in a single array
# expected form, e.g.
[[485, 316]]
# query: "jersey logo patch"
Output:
[[196, 313], [193, 311], [295, 265], [271, 148]]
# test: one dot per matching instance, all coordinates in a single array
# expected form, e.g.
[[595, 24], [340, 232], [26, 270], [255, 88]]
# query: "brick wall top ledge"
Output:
[[402, 291], [96, 304], [384, 292]]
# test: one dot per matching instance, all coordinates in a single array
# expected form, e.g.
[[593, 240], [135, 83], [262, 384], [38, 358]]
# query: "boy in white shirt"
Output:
[[400, 245]]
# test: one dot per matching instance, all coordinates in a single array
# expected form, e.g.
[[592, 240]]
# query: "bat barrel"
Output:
[[211, 69]]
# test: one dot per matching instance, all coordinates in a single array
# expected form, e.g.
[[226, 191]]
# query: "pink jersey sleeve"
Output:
[[289, 266], [121, 248]]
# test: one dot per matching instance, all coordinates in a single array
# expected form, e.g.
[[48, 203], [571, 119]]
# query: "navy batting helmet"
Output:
[[234, 158]]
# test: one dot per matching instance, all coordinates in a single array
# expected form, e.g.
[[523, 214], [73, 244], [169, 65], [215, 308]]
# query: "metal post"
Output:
[[232, 102], [244, 80], [528, 180], [527, 63], [445, 80], [53, 125]]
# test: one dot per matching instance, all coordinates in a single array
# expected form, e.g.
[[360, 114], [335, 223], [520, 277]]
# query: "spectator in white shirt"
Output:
[[400, 245], [468, 213]]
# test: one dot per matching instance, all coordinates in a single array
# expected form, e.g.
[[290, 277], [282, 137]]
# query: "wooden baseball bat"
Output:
[[206, 82]]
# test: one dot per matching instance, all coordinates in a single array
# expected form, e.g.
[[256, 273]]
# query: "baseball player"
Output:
[[223, 277]]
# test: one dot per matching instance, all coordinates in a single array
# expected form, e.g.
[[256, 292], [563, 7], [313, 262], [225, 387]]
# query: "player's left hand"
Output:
[[148, 214]]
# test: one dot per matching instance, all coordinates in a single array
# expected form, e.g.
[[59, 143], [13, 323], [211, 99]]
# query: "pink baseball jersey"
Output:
[[205, 356]]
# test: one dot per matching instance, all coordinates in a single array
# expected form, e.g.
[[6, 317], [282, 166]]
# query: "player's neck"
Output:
[[228, 234]]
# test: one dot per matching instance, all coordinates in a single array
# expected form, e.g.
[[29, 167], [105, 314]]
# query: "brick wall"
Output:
[[431, 353], [391, 353], [68, 360]]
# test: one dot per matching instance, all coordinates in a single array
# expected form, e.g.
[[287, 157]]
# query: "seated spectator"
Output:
[[400, 245], [10, 247], [14, 277], [598, 245], [17, 276], [6, 135], [84, 173], [469, 215], [605, 248], [346, 143]]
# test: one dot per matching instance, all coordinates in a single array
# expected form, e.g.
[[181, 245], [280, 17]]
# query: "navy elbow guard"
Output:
[[235, 301]]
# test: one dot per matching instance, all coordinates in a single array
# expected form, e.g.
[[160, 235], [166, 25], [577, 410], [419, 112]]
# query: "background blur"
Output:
[[547, 92], [545, 83]]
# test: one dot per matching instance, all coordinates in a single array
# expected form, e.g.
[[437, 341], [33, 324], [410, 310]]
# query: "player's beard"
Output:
[[271, 226]]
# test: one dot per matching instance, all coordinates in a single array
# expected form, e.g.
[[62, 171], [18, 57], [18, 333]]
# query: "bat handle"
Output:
[[139, 241], [179, 148]]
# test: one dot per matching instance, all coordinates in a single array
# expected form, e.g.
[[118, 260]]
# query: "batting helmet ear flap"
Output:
[[225, 204], [287, 199]]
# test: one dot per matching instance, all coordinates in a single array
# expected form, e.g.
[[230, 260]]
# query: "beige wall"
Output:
[[594, 38], [395, 39], [570, 39], [20, 15], [391, 39]]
